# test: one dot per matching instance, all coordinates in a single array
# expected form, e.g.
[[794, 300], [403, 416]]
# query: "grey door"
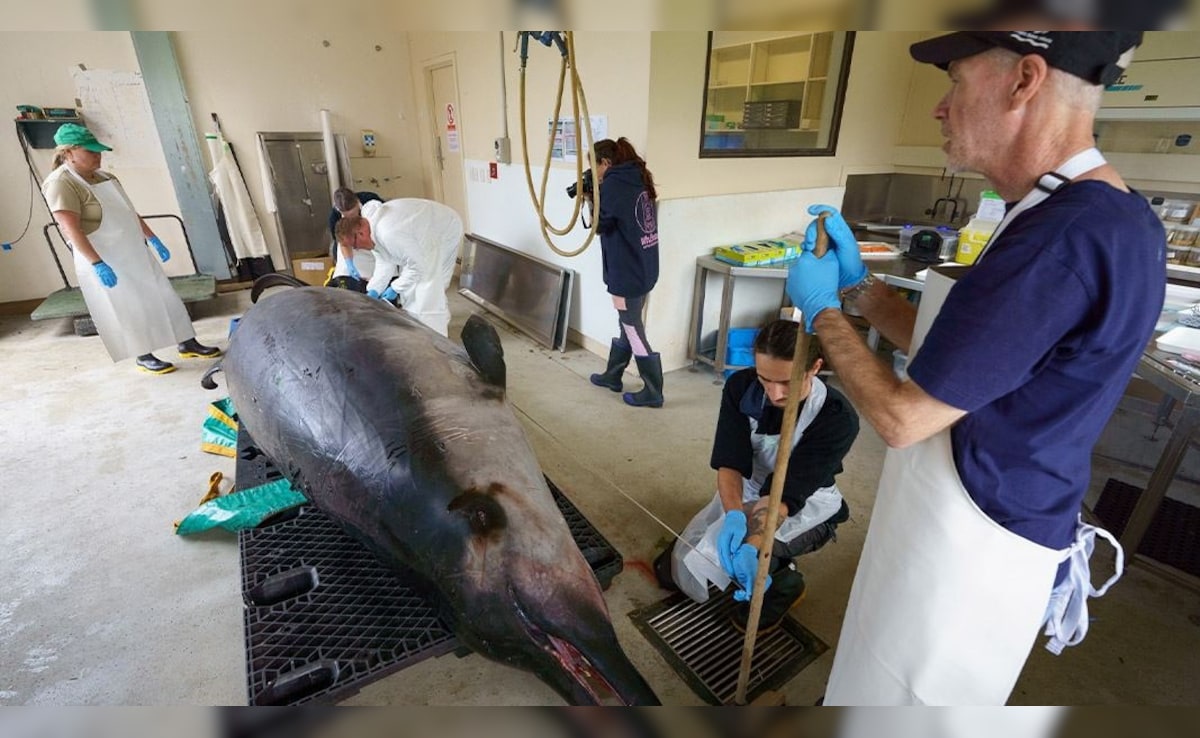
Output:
[[301, 186]]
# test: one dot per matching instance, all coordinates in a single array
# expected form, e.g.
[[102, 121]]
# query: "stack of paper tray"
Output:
[[758, 253], [1180, 340]]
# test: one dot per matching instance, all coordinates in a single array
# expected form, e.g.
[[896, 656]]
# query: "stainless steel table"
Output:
[[707, 266], [1183, 391], [897, 271]]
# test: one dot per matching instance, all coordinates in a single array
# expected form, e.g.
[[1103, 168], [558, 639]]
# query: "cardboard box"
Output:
[[312, 270]]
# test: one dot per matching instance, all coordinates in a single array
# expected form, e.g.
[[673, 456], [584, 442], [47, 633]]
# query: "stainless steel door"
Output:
[[298, 171]]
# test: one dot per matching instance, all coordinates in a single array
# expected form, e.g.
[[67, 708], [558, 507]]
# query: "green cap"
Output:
[[73, 134]]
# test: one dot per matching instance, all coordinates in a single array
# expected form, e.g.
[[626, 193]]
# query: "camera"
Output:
[[573, 188]]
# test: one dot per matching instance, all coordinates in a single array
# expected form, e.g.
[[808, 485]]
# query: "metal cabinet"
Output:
[[299, 179]]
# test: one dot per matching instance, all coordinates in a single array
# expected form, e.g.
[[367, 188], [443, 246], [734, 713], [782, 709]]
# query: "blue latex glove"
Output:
[[389, 295], [842, 241], [812, 284], [373, 294], [104, 272], [733, 532], [351, 269], [745, 566], [160, 249]]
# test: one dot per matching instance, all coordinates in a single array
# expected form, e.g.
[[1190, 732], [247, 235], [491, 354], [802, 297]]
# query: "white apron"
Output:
[[696, 564], [946, 602], [142, 312]]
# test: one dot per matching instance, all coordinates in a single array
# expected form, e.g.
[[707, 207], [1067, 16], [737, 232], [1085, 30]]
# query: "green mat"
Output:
[[68, 302]]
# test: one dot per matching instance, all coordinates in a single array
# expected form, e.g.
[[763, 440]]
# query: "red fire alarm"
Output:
[[493, 170]]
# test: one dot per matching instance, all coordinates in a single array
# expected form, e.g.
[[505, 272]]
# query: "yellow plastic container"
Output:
[[972, 239]]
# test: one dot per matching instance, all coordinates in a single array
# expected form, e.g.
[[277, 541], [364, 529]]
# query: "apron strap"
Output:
[[1067, 612], [1047, 185]]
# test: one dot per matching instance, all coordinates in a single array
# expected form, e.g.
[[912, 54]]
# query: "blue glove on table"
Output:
[[745, 566], [104, 272], [373, 294], [389, 294], [842, 241], [812, 284], [352, 270], [733, 532], [160, 249]]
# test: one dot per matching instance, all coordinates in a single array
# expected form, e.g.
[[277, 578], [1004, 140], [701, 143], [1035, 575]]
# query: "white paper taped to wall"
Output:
[[116, 108]]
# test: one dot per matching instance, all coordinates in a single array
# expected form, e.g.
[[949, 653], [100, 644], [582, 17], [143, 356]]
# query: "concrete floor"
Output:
[[100, 603]]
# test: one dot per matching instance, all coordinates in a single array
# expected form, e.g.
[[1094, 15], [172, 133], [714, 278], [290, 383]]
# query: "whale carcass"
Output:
[[407, 440]]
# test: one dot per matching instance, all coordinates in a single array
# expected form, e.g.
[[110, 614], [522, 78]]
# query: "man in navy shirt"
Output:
[[723, 537], [975, 540]]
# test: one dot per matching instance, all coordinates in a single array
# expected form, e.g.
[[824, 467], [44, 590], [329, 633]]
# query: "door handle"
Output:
[[437, 152]]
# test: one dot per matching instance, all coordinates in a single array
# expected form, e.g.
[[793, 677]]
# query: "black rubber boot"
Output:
[[618, 358], [650, 395], [786, 590], [193, 349], [662, 569], [153, 365]]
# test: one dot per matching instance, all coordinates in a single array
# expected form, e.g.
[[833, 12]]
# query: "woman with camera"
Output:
[[628, 228]]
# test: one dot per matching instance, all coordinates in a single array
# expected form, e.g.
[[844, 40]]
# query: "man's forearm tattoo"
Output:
[[757, 524]]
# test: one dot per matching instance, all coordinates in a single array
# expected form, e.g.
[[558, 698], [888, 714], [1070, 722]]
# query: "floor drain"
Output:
[[706, 651]]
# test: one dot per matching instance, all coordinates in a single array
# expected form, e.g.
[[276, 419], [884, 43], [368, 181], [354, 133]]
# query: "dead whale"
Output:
[[408, 441]]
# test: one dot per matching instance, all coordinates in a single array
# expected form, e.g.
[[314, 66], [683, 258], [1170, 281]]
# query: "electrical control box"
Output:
[[503, 152]]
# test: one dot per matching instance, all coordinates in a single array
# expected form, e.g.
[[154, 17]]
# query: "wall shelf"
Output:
[[765, 73]]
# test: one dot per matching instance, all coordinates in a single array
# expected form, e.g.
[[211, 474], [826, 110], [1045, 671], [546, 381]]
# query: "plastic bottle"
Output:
[[972, 238], [991, 206], [906, 234]]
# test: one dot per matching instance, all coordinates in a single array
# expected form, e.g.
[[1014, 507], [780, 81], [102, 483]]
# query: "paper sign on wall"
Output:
[[451, 128], [566, 139], [117, 111]]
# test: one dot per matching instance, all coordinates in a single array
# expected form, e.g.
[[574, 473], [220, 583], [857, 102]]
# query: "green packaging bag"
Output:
[[244, 509], [219, 434]]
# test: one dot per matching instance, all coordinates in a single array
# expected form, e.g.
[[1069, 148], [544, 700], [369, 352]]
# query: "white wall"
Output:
[[272, 78], [279, 80], [650, 86], [614, 69], [37, 71]]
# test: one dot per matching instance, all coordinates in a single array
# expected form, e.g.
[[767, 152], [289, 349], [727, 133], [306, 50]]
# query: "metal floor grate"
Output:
[[706, 651], [323, 617]]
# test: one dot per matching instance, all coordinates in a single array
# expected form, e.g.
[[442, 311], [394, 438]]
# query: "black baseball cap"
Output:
[[1096, 56], [1145, 15]]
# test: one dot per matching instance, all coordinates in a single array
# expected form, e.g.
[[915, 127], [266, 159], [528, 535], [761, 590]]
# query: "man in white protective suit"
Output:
[[415, 243]]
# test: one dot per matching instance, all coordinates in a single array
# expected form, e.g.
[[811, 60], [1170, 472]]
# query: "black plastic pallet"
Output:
[[324, 617]]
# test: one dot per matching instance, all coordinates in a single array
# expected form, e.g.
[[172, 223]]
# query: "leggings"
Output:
[[631, 331]]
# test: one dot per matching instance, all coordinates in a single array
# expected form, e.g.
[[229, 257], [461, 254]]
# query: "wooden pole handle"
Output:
[[787, 430], [822, 244]]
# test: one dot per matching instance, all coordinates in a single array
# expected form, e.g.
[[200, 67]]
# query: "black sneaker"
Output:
[[786, 591], [193, 349], [153, 365]]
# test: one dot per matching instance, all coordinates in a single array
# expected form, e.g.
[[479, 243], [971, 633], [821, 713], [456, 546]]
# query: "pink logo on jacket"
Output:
[[647, 219]]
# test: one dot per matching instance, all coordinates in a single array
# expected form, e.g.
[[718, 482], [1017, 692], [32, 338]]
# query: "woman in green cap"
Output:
[[130, 299]]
